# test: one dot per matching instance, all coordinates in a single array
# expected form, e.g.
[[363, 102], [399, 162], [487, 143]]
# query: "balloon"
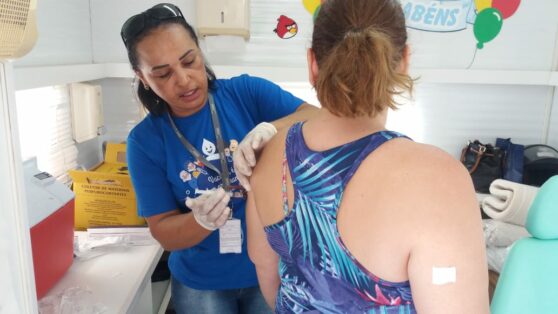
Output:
[[507, 7], [315, 15], [487, 25], [483, 4], [311, 5]]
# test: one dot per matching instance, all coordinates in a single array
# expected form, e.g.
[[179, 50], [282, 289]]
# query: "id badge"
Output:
[[230, 237]]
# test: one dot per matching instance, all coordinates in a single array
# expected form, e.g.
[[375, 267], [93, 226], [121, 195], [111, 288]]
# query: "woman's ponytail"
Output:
[[359, 57]]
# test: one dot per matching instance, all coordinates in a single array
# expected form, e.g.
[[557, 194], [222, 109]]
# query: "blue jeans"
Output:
[[234, 301]]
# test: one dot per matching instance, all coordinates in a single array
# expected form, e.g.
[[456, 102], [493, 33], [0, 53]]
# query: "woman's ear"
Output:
[[312, 66], [142, 79], [404, 65]]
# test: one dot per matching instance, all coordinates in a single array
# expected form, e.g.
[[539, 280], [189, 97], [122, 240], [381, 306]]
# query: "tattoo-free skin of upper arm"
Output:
[[261, 254], [264, 208], [450, 243]]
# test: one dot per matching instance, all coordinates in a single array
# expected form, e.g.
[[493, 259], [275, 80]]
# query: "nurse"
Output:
[[180, 159]]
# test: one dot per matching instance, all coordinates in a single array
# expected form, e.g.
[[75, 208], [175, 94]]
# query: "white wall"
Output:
[[448, 115], [64, 32], [553, 130], [264, 47], [86, 31], [525, 42], [452, 113], [107, 17], [121, 111]]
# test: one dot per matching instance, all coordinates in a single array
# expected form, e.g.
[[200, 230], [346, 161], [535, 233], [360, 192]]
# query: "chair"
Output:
[[528, 282]]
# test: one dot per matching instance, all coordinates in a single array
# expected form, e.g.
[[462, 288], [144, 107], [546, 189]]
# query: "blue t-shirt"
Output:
[[164, 173]]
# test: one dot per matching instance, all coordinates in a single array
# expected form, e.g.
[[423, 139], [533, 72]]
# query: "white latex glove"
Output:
[[244, 158], [210, 210]]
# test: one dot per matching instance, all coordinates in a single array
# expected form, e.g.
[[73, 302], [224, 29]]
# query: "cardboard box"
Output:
[[105, 195]]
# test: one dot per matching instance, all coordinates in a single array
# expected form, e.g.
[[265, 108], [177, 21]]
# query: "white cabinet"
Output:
[[86, 101]]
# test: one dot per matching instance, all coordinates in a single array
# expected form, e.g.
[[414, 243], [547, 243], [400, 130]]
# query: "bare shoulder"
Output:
[[433, 183], [440, 173], [427, 156]]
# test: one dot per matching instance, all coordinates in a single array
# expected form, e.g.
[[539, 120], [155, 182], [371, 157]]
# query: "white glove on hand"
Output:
[[210, 210], [244, 158]]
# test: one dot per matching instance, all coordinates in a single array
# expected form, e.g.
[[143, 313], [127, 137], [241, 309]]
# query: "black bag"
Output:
[[512, 165], [541, 163], [484, 163]]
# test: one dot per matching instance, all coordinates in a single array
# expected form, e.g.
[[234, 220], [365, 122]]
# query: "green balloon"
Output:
[[316, 12], [487, 25]]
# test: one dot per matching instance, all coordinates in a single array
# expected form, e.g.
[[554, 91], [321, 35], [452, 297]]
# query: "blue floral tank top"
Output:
[[318, 273]]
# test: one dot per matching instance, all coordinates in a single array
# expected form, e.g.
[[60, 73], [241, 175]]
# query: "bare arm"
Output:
[[449, 243], [261, 254], [175, 230], [302, 113]]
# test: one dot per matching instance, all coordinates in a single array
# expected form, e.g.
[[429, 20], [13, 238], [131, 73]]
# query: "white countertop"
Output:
[[110, 283]]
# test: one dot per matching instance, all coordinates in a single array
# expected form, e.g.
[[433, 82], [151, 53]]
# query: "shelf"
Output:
[[493, 77], [438, 76], [31, 77], [123, 70], [118, 70]]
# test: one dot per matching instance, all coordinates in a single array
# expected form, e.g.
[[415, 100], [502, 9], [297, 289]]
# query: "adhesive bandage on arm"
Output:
[[443, 275]]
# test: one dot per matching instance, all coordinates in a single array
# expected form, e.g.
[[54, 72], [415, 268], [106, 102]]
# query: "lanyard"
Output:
[[224, 172]]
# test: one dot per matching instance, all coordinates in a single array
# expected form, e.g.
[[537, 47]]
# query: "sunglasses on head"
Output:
[[135, 24]]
